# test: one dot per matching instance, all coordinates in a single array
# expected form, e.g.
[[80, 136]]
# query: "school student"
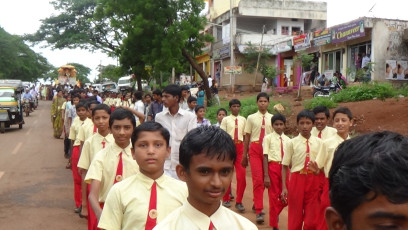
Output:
[[369, 184], [178, 121], [234, 125], [192, 103], [200, 114], [273, 150], [342, 121], [95, 143], [80, 120], [144, 199], [221, 113], [302, 191], [321, 130], [156, 106], [207, 156], [90, 128], [258, 125], [113, 163]]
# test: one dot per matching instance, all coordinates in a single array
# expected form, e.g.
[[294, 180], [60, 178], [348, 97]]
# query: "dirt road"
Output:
[[36, 191]]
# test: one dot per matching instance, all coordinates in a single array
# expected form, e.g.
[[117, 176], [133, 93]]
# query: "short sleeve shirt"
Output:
[[272, 146], [228, 125], [254, 124], [324, 158], [92, 146], [327, 132]]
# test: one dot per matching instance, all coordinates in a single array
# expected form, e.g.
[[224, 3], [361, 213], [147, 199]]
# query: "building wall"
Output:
[[221, 6]]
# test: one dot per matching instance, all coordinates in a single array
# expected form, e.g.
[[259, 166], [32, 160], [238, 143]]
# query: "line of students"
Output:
[[254, 136]]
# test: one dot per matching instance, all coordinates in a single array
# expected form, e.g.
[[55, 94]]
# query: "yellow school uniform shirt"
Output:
[[188, 217], [327, 132], [104, 165], [86, 131], [295, 153], [228, 125], [272, 146], [324, 158], [108, 101], [254, 124], [92, 146], [74, 130], [127, 204]]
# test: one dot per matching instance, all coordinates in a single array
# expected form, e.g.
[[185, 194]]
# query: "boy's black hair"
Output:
[[191, 99], [185, 87], [209, 140], [150, 126], [81, 104], [198, 107], [138, 95], [120, 114], [343, 110], [278, 117], [148, 95], [173, 90], [104, 107], [322, 109], [222, 109], [305, 114], [368, 166], [262, 94], [91, 102], [157, 92], [234, 102]]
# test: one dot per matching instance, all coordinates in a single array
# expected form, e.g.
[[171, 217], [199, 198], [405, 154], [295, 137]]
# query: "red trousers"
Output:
[[75, 175], [256, 161], [324, 203], [274, 191], [303, 201], [240, 174]]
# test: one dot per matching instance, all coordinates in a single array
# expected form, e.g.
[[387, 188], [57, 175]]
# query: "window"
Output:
[[296, 31], [285, 30]]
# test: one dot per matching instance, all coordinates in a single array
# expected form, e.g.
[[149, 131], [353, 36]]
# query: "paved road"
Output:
[[36, 191]]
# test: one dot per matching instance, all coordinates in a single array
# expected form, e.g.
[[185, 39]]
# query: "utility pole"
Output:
[[259, 56], [232, 64]]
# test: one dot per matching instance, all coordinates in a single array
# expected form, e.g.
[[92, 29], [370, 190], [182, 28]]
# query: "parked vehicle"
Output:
[[125, 82], [97, 87], [110, 86], [11, 111], [326, 91]]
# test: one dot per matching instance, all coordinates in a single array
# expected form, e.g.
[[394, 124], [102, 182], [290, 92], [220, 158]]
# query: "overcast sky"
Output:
[[23, 17]]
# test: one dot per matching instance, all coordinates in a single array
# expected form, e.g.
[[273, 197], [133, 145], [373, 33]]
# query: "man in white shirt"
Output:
[[178, 121], [209, 81], [365, 60], [139, 105]]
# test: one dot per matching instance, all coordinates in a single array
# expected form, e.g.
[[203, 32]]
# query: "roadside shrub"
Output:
[[365, 91], [319, 101]]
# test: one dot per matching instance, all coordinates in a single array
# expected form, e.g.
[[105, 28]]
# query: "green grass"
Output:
[[248, 106], [319, 101]]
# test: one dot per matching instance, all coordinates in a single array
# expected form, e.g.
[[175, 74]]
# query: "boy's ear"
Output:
[[132, 150], [181, 172], [168, 151], [334, 220]]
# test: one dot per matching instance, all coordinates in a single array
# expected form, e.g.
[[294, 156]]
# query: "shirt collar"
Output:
[[117, 150], [147, 182], [180, 111], [261, 115], [200, 219]]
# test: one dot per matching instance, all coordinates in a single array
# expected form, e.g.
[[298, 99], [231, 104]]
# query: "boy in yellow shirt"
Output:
[[145, 199], [321, 130], [302, 191], [342, 121], [273, 150], [207, 156], [113, 163]]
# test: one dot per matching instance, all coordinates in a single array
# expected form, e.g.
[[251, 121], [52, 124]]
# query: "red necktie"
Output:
[[103, 144], [211, 226], [152, 214], [320, 134], [307, 155], [236, 130], [261, 136], [95, 129], [119, 170], [281, 148]]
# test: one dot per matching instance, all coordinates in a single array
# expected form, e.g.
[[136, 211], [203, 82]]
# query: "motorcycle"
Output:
[[326, 91], [26, 107], [35, 103]]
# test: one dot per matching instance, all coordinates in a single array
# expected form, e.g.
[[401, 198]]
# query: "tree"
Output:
[[305, 60], [18, 61], [109, 72]]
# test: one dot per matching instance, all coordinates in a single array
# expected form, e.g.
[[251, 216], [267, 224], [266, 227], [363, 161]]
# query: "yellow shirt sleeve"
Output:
[[84, 159], [112, 213]]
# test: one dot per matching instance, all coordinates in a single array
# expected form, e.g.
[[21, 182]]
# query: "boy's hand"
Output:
[[284, 196], [312, 165], [267, 181], [244, 161]]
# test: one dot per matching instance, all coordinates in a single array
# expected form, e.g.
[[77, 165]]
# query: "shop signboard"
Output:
[[222, 52], [233, 70], [321, 37], [348, 31], [282, 46], [301, 42]]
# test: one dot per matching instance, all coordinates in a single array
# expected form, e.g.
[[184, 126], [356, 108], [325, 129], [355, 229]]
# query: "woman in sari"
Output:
[[56, 114]]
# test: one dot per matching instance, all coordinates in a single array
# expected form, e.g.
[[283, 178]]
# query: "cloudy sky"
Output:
[[23, 17]]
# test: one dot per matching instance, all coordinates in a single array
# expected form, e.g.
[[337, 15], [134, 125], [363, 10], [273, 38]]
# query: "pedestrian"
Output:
[[200, 96], [96, 142], [264, 87], [144, 199], [66, 108], [321, 129], [368, 183], [178, 121], [221, 113], [88, 129], [81, 119], [214, 90], [139, 106], [157, 105], [302, 191], [234, 125], [147, 104], [56, 114], [207, 156], [258, 125], [192, 103], [113, 163], [273, 150], [200, 114], [342, 121]]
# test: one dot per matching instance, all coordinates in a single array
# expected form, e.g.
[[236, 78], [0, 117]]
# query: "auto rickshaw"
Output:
[[11, 112]]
